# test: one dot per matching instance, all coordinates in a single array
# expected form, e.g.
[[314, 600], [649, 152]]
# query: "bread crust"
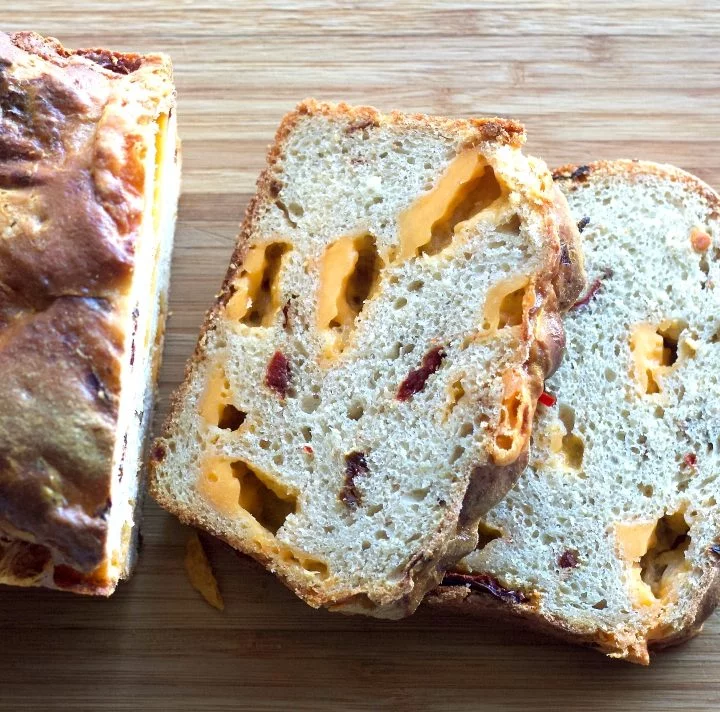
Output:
[[72, 176], [471, 600], [554, 284]]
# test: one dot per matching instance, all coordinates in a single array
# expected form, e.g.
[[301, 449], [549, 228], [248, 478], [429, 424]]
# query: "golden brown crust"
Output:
[[72, 173], [488, 484]]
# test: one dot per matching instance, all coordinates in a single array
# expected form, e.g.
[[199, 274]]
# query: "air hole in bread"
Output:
[[456, 392], [670, 333], [309, 404], [466, 429], [308, 563], [231, 418], [510, 227], [286, 213], [296, 209], [665, 557], [645, 489], [419, 494], [216, 397], [256, 297], [349, 274], [505, 303], [515, 415], [704, 265], [262, 498], [600, 605], [573, 446], [355, 411], [486, 534], [456, 454], [511, 309], [381, 534], [574, 449], [416, 285], [400, 302]]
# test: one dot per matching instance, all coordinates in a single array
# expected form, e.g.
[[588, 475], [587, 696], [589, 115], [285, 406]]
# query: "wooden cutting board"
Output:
[[590, 80]]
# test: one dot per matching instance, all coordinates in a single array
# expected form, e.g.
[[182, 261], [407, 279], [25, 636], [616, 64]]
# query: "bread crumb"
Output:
[[200, 572]]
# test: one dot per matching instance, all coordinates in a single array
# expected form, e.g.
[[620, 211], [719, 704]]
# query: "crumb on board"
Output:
[[200, 572]]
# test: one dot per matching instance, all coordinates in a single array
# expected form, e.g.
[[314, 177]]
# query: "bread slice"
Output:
[[364, 387], [89, 180], [612, 535]]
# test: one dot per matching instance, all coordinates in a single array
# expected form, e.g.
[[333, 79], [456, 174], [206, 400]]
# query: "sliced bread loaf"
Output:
[[364, 387], [611, 536]]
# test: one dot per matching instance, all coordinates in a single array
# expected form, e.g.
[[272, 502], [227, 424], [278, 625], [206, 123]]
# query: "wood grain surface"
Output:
[[589, 80]]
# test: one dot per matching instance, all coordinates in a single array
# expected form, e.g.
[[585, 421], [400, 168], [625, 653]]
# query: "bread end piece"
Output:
[[90, 178]]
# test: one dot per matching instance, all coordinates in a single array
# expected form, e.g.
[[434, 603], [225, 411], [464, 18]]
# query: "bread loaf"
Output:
[[89, 179]]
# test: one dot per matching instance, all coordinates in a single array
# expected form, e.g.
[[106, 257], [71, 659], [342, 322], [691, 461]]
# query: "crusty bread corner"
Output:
[[497, 585], [556, 280]]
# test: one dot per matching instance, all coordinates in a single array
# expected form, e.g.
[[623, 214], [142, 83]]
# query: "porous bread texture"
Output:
[[354, 491], [623, 449]]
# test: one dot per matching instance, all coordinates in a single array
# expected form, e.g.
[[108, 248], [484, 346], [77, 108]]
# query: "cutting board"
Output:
[[589, 80]]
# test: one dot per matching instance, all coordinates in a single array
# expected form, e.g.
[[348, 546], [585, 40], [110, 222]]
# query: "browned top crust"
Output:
[[72, 176], [499, 130]]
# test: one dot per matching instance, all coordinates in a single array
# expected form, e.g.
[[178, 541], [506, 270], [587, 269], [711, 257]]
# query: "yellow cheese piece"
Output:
[[641, 593], [200, 572], [234, 488], [497, 310], [516, 416], [653, 358], [337, 266], [218, 485], [248, 283], [646, 346], [557, 433], [415, 223], [634, 539], [215, 397], [160, 162]]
